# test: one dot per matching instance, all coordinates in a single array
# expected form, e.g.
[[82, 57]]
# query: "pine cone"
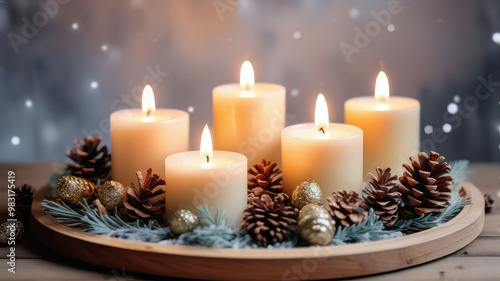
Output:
[[266, 179], [426, 185], [24, 198], [381, 194], [488, 203], [269, 220], [147, 200], [90, 162], [344, 207]]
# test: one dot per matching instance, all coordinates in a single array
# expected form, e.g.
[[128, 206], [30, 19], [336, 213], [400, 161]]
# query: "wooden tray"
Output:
[[228, 264]]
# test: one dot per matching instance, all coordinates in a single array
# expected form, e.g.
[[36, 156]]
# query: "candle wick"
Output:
[[208, 159], [148, 113], [322, 130]]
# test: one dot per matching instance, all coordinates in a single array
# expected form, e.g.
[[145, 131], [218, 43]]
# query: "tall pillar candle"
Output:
[[141, 139], [329, 153], [249, 117], [217, 179], [391, 127]]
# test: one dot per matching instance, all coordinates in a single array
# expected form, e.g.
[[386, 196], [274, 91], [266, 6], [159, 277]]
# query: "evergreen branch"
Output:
[[89, 220], [216, 236], [460, 172], [370, 229], [206, 216]]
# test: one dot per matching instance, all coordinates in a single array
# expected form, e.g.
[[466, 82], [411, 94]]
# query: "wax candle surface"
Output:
[[140, 142], [391, 129], [334, 159], [249, 118], [191, 180]]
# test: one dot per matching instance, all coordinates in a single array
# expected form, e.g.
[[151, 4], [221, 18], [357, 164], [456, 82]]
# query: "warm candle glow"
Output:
[[321, 119], [148, 103], [382, 87], [206, 150], [247, 79]]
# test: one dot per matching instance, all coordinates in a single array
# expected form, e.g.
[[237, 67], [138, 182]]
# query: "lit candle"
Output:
[[391, 127], [215, 178], [329, 153], [142, 138], [249, 117]]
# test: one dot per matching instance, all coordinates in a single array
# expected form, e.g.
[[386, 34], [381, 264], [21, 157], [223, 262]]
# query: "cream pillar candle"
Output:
[[217, 178], [391, 127], [249, 117], [141, 139], [329, 153]]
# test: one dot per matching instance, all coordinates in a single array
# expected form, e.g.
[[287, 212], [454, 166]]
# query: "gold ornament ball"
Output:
[[12, 230], [73, 189], [307, 192], [315, 225], [182, 221], [112, 194]]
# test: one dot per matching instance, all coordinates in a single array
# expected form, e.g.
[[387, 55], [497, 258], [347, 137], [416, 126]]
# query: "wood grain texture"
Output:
[[298, 263]]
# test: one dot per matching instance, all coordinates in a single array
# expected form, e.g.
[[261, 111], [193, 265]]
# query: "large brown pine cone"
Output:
[[426, 185], [270, 220], [90, 161], [147, 199], [344, 207], [266, 179], [381, 194]]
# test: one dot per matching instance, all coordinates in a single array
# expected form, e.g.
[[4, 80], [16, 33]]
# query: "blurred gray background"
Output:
[[65, 67]]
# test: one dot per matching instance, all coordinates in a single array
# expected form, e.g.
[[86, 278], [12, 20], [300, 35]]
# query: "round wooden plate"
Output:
[[264, 264]]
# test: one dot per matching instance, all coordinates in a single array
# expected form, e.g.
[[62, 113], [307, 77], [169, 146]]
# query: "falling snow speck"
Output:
[[190, 109], [28, 103], [496, 37], [391, 27], [104, 48], [294, 92], [456, 99], [452, 108], [74, 26], [94, 85], [15, 140], [428, 129], [354, 13], [447, 128], [297, 35]]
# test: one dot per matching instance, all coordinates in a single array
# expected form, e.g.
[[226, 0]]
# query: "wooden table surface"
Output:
[[480, 260]]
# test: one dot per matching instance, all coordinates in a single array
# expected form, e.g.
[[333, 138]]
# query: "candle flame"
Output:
[[321, 119], [148, 101], [247, 79], [206, 150], [382, 88]]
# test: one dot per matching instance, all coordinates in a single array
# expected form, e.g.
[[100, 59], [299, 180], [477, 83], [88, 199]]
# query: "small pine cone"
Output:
[[266, 179], [270, 220], [381, 194], [147, 199], [90, 161], [426, 185], [24, 198], [488, 203], [344, 207]]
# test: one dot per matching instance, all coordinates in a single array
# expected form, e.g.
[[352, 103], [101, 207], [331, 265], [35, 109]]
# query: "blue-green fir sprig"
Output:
[[370, 229], [89, 220], [215, 231]]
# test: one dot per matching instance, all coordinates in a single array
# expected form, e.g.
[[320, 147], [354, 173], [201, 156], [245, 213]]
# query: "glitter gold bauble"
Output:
[[10, 230], [73, 189], [315, 225], [182, 221], [307, 192], [112, 194]]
